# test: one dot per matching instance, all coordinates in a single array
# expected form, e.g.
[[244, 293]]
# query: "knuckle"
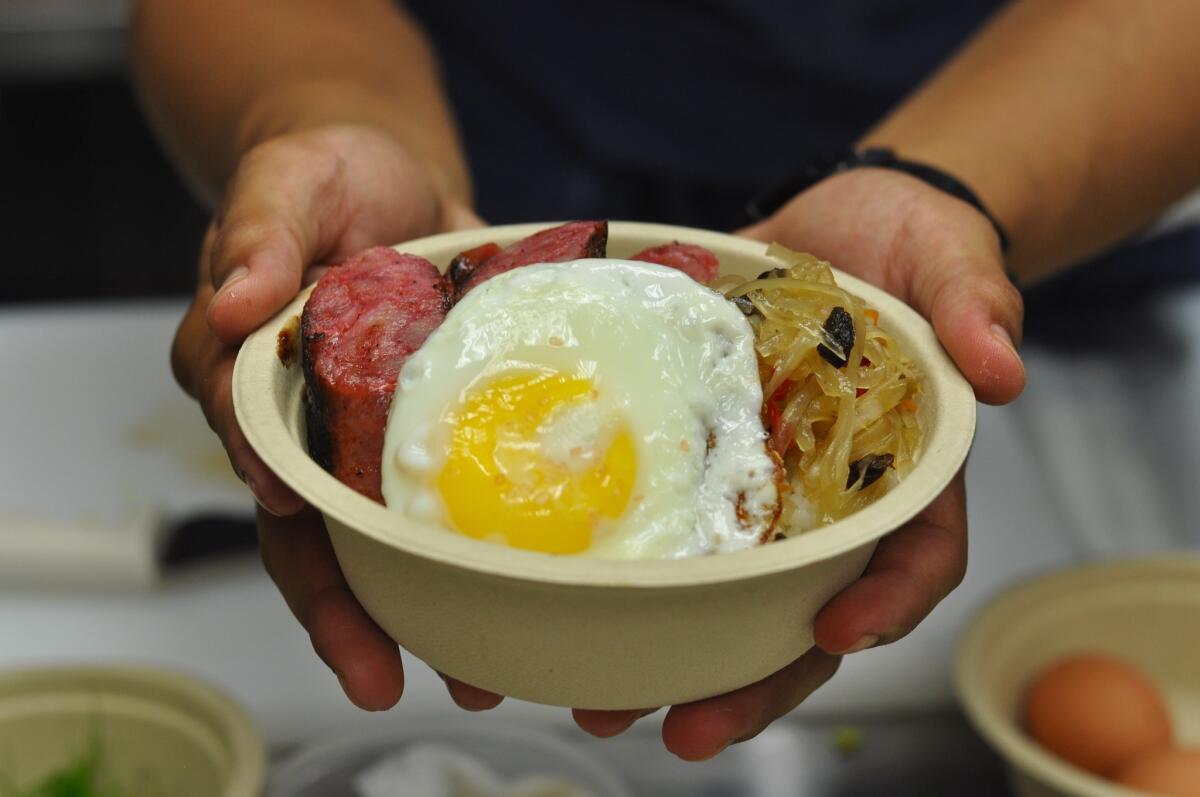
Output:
[[952, 286], [1014, 301], [993, 289], [263, 155], [279, 155], [241, 237], [1002, 293], [238, 237]]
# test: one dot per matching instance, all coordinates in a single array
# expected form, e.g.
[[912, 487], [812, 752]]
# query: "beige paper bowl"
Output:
[[158, 732], [582, 632], [1145, 611]]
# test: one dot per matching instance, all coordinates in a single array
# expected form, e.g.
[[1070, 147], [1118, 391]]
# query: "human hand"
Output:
[[295, 202], [941, 256], [933, 251]]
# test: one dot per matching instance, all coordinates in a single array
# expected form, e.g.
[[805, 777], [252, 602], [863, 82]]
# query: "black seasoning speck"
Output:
[[870, 468], [839, 332], [745, 305]]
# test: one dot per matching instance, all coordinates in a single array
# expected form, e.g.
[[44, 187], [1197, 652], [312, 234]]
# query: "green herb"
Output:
[[847, 739], [81, 778]]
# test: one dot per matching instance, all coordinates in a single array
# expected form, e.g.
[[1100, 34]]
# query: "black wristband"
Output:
[[817, 169]]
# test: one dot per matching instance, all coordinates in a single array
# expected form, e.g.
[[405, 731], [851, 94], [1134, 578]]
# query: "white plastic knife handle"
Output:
[[58, 555]]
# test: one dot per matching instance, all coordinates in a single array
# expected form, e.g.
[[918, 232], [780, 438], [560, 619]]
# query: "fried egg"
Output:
[[601, 407]]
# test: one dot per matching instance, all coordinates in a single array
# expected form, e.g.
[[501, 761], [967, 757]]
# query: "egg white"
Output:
[[673, 360]]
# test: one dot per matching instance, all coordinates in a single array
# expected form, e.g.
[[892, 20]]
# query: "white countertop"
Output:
[[1092, 462]]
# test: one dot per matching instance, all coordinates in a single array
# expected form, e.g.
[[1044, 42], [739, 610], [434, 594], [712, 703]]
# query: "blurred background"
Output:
[[81, 179], [123, 536]]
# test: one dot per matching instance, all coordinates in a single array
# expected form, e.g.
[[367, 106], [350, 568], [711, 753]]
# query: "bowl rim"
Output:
[[944, 450], [997, 728], [247, 749]]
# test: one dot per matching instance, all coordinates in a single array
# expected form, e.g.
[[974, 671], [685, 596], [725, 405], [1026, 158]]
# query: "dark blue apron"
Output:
[[676, 111]]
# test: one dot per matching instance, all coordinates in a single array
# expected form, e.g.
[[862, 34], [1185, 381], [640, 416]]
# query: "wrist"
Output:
[[1010, 192], [817, 169], [885, 224]]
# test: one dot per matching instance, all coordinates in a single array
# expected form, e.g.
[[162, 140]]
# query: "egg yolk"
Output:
[[533, 461]]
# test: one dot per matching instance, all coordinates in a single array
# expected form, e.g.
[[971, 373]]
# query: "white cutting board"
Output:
[[98, 444]]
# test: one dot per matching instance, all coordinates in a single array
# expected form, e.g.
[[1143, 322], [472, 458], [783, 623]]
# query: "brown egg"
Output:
[[1171, 773], [1097, 712]]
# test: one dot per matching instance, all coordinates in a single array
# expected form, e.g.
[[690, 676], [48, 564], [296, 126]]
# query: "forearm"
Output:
[[219, 76], [1076, 121]]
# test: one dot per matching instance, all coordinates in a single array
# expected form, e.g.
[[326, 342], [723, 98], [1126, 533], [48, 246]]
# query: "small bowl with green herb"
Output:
[[123, 732]]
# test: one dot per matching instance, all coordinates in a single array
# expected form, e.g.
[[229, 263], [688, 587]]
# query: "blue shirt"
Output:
[[680, 111], [670, 110]]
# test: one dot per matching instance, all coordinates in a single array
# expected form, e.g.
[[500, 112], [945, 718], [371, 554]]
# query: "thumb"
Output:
[[268, 234], [457, 216], [285, 209], [977, 314], [759, 231]]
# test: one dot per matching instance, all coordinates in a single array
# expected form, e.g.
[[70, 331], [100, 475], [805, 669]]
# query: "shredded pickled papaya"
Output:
[[841, 399]]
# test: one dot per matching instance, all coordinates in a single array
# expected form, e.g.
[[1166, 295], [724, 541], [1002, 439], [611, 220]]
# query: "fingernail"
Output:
[[257, 499], [865, 641], [233, 277], [1001, 334]]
